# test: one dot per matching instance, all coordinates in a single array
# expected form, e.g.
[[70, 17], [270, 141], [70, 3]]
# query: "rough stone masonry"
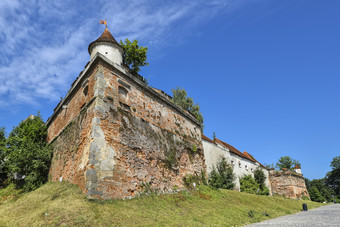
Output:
[[113, 135]]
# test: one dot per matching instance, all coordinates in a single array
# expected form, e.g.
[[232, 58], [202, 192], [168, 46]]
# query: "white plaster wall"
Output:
[[267, 182], [242, 167], [109, 50], [214, 152]]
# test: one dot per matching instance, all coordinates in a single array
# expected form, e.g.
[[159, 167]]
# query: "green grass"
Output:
[[56, 204]]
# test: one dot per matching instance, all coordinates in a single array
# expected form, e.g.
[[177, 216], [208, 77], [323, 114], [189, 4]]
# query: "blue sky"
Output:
[[265, 73]]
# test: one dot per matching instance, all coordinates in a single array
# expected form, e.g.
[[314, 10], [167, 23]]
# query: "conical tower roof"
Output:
[[105, 37]]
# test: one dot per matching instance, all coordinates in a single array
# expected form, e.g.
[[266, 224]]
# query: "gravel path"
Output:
[[322, 216]]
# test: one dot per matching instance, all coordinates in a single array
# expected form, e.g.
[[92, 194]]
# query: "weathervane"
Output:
[[103, 22]]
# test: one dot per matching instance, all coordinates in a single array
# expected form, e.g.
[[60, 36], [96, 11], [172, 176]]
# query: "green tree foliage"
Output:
[[3, 169], [28, 155], [269, 166], [222, 176], [324, 189], [332, 178], [248, 184], [319, 191], [260, 179], [315, 194], [134, 55], [180, 98], [287, 162]]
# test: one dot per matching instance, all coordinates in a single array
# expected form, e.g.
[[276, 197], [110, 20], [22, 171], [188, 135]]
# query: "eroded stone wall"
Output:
[[142, 140], [288, 183], [119, 135], [70, 152], [69, 134]]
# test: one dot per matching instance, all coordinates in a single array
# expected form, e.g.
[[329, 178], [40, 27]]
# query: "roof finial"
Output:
[[103, 22]]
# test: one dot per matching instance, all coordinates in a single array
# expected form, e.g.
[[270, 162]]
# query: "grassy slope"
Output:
[[65, 204]]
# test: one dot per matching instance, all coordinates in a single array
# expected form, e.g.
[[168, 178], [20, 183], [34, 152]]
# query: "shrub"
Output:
[[264, 191], [251, 213], [190, 179], [222, 176], [248, 184]]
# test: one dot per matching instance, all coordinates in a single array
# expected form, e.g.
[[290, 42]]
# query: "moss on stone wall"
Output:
[[66, 145]]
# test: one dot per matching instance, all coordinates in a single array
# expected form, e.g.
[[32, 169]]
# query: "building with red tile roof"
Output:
[[243, 163]]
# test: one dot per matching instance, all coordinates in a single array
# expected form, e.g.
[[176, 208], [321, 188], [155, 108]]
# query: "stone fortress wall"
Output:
[[288, 183], [113, 135]]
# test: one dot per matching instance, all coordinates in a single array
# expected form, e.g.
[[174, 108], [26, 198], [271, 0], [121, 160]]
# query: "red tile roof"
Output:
[[251, 157], [105, 37], [207, 139], [231, 148]]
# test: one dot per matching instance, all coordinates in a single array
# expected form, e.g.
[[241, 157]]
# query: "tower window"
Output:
[[105, 52]]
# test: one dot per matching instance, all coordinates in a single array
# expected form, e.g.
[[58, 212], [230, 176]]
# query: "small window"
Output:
[[246, 167], [239, 164], [85, 90], [105, 52], [252, 170], [232, 162]]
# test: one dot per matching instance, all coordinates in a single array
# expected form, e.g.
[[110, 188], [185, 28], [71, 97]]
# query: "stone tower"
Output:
[[113, 135], [107, 46]]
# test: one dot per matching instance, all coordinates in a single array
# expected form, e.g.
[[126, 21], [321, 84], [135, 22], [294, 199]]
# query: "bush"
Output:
[[248, 184], [264, 191], [190, 179], [28, 156], [223, 177]]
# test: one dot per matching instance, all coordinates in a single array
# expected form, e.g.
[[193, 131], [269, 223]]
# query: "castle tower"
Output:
[[107, 46], [297, 169]]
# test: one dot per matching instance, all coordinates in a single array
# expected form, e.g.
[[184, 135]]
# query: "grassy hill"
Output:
[[64, 204]]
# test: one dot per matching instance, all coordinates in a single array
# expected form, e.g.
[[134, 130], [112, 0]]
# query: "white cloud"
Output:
[[44, 43]]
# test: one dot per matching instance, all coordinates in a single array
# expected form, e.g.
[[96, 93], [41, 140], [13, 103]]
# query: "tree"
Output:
[[134, 55], [28, 154], [319, 191], [315, 194], [223, 177], [180, 98], [287, 162], [269, 166], [333, 177], [3, 169], [260, 179]]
